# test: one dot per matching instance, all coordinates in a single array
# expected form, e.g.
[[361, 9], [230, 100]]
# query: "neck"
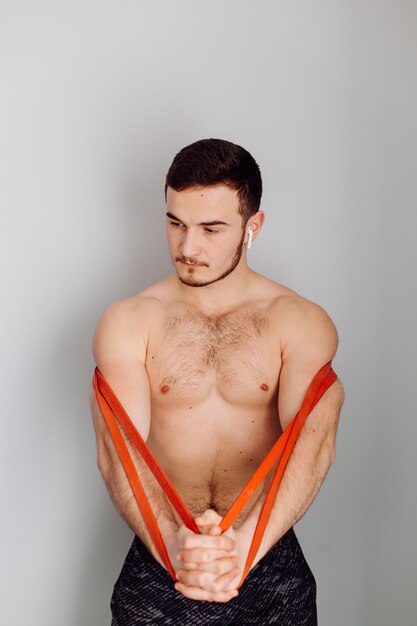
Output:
[[221, 295]]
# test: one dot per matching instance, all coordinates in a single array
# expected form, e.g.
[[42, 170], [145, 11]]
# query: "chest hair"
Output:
[[195, 346]]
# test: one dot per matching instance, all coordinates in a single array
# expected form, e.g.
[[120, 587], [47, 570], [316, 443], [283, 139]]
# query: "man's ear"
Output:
[[255, 222]]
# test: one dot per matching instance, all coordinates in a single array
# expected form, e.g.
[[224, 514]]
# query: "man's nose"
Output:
[[190, 246]]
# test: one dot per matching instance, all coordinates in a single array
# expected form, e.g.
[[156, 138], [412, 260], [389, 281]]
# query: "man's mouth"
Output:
[[191, 264]]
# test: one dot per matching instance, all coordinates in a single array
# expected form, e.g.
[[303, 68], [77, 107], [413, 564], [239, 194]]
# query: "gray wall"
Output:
[[96, 99]]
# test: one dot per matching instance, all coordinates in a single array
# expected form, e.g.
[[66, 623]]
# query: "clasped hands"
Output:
[[208, 565]]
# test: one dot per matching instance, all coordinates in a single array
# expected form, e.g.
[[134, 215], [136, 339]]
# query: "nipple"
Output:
[[264, 387], [164, 388]]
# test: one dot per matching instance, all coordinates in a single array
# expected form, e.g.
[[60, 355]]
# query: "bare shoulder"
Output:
[[303, 321], [123, 327], [309, 339]]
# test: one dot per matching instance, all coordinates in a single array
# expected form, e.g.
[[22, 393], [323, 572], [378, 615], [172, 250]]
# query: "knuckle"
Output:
[[188, 556], [216, 587]]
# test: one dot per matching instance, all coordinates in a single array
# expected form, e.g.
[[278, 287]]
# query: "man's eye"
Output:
[[210, 231], [175, 224]]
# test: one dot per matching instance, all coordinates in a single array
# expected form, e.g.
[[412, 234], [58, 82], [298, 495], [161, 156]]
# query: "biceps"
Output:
[[295, 379], [323, 420], [129, 382]]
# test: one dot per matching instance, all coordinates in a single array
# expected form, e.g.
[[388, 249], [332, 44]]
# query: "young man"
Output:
[[211, 364]]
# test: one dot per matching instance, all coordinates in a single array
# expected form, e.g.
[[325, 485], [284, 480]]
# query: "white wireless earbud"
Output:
[[250, 237]]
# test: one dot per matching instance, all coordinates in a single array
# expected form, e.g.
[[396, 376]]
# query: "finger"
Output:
[[208, 518], [200, 555], [218, 566], [196, 593], [213, 530], [195, 578], [222, 583], [210, 530], [206, 541]]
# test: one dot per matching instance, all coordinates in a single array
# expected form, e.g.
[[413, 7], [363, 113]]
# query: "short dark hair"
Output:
[[216, 161]]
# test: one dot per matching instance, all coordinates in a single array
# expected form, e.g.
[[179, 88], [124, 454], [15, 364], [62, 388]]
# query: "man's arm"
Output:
[[119, 351], [310, 341], [121, 360]]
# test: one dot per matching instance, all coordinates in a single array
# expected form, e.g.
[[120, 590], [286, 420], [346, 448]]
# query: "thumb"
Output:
[[208, 522]]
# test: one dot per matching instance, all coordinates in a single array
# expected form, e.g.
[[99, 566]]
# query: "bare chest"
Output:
[[235, 357]]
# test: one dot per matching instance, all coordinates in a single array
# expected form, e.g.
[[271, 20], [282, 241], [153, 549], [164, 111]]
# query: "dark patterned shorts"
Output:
[[280, 590]]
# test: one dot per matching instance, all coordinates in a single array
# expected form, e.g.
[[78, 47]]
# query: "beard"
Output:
[[190, 282]]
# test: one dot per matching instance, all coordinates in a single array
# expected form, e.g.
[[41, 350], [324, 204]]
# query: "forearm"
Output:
[[298, 489], [124, 500], [306, 470]]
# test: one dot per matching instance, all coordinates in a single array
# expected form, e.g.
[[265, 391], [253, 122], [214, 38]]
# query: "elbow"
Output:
[[329, 453], [332, 456], [105, 471], [103, 460], [101, 465]]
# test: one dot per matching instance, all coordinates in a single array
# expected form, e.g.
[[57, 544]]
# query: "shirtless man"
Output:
[[211, 364]]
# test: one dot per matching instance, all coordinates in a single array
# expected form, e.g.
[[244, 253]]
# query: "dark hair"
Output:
[[216, 161]]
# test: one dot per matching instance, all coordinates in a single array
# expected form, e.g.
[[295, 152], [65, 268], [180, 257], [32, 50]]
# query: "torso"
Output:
[[214, 389]]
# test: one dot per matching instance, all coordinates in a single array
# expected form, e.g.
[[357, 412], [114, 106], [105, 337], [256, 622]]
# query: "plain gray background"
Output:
[[96, 99]]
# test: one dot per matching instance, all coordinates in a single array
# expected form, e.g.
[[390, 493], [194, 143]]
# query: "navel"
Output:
[[164, 388], [264, 387]]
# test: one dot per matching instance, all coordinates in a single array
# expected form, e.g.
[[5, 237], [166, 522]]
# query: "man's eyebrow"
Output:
[[212, 223]]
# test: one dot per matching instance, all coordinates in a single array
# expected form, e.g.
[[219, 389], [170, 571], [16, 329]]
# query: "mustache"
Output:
[[190, 261]]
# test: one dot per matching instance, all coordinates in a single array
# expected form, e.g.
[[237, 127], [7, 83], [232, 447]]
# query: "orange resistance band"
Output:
[[281, 451]]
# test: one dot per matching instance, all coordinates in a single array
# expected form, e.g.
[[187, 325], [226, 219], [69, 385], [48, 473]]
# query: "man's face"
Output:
[[205, 233]]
